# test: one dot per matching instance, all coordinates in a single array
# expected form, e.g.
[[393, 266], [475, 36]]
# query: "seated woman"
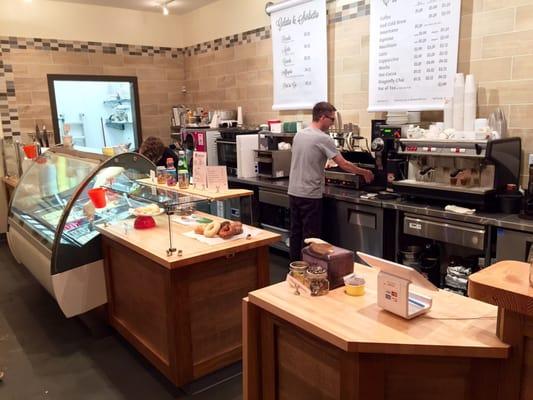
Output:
[[155, 150]]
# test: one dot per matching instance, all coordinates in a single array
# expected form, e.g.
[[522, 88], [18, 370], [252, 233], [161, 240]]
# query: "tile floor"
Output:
[[46, 356]]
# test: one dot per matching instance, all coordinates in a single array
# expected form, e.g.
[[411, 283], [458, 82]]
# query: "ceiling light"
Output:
[[164, 6], [27, 1]]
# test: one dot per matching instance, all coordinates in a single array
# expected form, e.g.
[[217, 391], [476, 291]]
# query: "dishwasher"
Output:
[[358, 227], [274, 215]]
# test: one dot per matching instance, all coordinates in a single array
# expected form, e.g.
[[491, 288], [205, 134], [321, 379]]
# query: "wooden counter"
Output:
[[506, 284], [182, 313], [208, 194], [342, 347]]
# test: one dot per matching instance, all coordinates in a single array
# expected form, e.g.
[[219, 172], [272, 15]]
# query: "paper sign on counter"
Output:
[[217, 178], [199, 172]]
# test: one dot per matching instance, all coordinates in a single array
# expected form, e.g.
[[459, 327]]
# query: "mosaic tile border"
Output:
[[336, 14], [9, 43]]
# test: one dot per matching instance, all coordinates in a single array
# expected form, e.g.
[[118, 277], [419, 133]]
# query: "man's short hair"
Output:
[[322, 108]]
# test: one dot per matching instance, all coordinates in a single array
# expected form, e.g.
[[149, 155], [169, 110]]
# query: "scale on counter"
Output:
[[393, 287]]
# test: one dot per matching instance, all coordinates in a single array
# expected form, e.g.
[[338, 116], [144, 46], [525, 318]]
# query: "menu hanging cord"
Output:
[[270, 7]]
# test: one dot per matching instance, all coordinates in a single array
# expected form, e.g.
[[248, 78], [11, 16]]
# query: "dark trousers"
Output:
[[306, 222]]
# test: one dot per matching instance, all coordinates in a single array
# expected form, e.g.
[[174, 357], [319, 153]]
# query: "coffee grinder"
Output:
[[389, 165]]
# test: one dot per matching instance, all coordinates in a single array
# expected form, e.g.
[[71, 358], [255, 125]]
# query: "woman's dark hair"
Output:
[[322, 108], [153, 148]]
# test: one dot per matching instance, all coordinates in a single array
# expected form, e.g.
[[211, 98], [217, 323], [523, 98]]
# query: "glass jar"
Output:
[[317, 280], [161, 175], [297, 270]]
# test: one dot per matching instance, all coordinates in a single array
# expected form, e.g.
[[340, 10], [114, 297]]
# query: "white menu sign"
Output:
[[413, 54], [199, 169], [299, 50]]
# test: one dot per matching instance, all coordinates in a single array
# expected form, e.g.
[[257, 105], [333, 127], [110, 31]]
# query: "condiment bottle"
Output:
[[183, 171], [171, 172], [161, 175]]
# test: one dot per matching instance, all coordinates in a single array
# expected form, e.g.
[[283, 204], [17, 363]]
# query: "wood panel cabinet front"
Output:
[[187, 321]]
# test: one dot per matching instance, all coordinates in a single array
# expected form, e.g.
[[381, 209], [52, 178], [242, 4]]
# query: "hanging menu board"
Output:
[[413, 54], [299, 46]]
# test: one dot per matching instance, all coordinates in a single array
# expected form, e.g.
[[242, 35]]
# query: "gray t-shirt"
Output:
[[311, 148]]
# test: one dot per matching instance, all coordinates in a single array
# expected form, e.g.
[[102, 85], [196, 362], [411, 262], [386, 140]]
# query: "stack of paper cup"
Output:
[[448, 113], [458, 102], [239, 115], [469, 103]]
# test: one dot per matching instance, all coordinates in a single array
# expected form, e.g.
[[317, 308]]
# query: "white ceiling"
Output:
[[175, 7]]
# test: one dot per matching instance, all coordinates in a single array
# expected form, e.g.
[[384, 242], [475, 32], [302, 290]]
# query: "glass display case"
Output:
[[52, 218]]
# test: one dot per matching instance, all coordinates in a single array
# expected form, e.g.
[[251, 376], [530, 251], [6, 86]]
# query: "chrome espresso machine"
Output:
[[462, 172]]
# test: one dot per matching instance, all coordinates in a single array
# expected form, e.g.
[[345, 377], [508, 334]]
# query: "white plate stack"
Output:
[[397, 117]]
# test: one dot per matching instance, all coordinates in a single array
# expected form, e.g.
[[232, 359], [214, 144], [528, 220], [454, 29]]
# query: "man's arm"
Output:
[[349, 167]]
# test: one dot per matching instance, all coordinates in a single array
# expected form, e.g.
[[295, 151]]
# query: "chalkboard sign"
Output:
[[299, 46], [413, 53]]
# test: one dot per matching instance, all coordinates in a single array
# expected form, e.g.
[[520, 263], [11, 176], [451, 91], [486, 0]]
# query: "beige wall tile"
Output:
[[31, 83], [486, 23], [85, 69], [470, 49], [524, 18], [119, 71], [23, 97], [39, 98], [101, 59], [508, 44], [225, 54], [150, 74], [138, 60], [523, 67], [245, 51], [496, 69], [70, 58], [506, 92], [175, 73], [470, 6], [28, 56], [522, 117], [226, 81], [494, 4]]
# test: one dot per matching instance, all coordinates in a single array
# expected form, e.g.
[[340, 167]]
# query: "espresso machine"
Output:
[[465, 172]]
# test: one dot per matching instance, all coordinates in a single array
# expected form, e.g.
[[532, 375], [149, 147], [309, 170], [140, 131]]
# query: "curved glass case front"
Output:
[[44, 191], [78, 243]]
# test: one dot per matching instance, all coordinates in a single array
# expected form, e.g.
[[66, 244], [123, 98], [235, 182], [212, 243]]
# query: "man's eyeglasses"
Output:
[[332, 119]]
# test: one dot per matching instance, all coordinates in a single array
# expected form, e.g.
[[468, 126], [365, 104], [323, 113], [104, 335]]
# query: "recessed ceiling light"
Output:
[[164, 6], [27, 1]]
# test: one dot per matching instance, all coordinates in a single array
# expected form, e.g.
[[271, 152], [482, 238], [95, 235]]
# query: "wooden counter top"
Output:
[[208, 194], [505, 284], [455, 326], [153, 242]]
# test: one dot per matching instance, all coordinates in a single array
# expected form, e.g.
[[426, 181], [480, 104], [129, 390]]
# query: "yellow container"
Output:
[[108, 151], [354, 290]]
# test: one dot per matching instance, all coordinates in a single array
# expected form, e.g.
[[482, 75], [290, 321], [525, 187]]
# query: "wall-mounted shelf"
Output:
[[117, 125], [116, 102]]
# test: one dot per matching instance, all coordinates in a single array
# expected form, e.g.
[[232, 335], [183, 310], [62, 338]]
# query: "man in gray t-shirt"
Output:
[[311, 148]]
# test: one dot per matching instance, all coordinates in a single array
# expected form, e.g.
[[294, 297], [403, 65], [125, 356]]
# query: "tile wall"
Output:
[[25, 63], [496, 44]]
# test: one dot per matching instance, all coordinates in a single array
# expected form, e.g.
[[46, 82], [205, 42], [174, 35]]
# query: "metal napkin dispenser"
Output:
[[338, 261]]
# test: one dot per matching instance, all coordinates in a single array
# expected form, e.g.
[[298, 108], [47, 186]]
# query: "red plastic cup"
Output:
[[97, 197], [30, 151]]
